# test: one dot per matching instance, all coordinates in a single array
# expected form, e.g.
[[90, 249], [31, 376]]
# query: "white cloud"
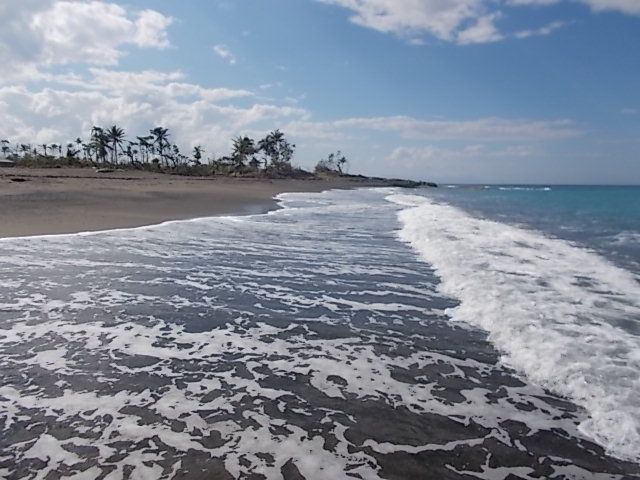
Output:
[[19, 44], [486, 129], [414, 18], [223, 52], [40, 33], [470, 163], [449, 150], [542, 31], [459, 21], [137, 101], [531, 2], [151, 29], [433, 149], [157, 86], [629, 7], [483, 31]]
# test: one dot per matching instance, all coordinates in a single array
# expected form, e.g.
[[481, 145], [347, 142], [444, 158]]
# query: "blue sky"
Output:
[[502, 91]]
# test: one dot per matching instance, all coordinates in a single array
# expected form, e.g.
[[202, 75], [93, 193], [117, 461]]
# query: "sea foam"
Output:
[[562, 315]]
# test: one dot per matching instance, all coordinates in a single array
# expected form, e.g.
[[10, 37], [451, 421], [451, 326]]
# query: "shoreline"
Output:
[[46, 202]]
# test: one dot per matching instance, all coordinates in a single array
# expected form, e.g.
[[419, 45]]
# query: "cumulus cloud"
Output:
[[151, 29], [157, 86], [137, 101], [40, 33], [60, 56], [223, 52], [413, 18], [460, 21], [629, 7], [482, 31]]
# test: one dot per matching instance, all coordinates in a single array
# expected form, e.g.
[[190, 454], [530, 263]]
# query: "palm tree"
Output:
[[335, 162], [80, 147], [265, 146], [44, 148], [277, 149], [161, 139], [99, 144], [243, 147], [145, 144], [115, 137], [131, 152], [86, 152], [175, 155], [25, 148], [71, 153], [342, 162], [197, 154], [5, 147]]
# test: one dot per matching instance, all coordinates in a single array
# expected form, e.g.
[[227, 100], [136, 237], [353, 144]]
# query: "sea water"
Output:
[[374, 333], [552, 274]]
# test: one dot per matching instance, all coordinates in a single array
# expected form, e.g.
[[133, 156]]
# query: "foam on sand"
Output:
[[562, 315]]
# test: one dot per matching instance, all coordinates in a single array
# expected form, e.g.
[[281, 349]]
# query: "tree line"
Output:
[[109, 148]]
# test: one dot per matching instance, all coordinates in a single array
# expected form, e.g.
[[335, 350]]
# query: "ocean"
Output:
[[454, 333]]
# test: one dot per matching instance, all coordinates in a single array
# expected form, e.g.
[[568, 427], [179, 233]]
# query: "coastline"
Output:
[[79, 200]]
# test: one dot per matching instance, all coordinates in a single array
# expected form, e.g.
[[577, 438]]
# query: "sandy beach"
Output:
[[69, 200]]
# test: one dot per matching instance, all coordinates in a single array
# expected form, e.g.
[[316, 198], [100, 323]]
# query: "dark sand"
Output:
[[69, 200]]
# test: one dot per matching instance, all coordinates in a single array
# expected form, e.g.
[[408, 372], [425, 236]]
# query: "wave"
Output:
[[562, 315], [527, 189]]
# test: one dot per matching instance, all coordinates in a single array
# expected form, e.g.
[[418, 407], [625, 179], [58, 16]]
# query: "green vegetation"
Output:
[[334, 164], [110, 149]]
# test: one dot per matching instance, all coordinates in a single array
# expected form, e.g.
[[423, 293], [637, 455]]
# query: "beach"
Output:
[[71, 200]]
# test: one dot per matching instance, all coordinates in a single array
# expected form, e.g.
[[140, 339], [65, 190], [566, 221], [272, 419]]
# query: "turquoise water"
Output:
[[603, 218], [552, 273]]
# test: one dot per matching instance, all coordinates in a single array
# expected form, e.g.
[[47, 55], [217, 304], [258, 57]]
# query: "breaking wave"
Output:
[[562, 315]]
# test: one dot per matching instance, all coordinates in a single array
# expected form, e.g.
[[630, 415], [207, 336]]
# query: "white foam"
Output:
[[526, 189], [366, 374], [627, 238], [551, 307], [49, 449]]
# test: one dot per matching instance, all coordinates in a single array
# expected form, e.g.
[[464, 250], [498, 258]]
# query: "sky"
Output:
[[453, 91]]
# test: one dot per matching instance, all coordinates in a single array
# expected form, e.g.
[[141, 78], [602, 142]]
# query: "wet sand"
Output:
[[70, 200]]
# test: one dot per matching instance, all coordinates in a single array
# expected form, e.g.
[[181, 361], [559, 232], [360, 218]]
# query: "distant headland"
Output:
[[109, 149]]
